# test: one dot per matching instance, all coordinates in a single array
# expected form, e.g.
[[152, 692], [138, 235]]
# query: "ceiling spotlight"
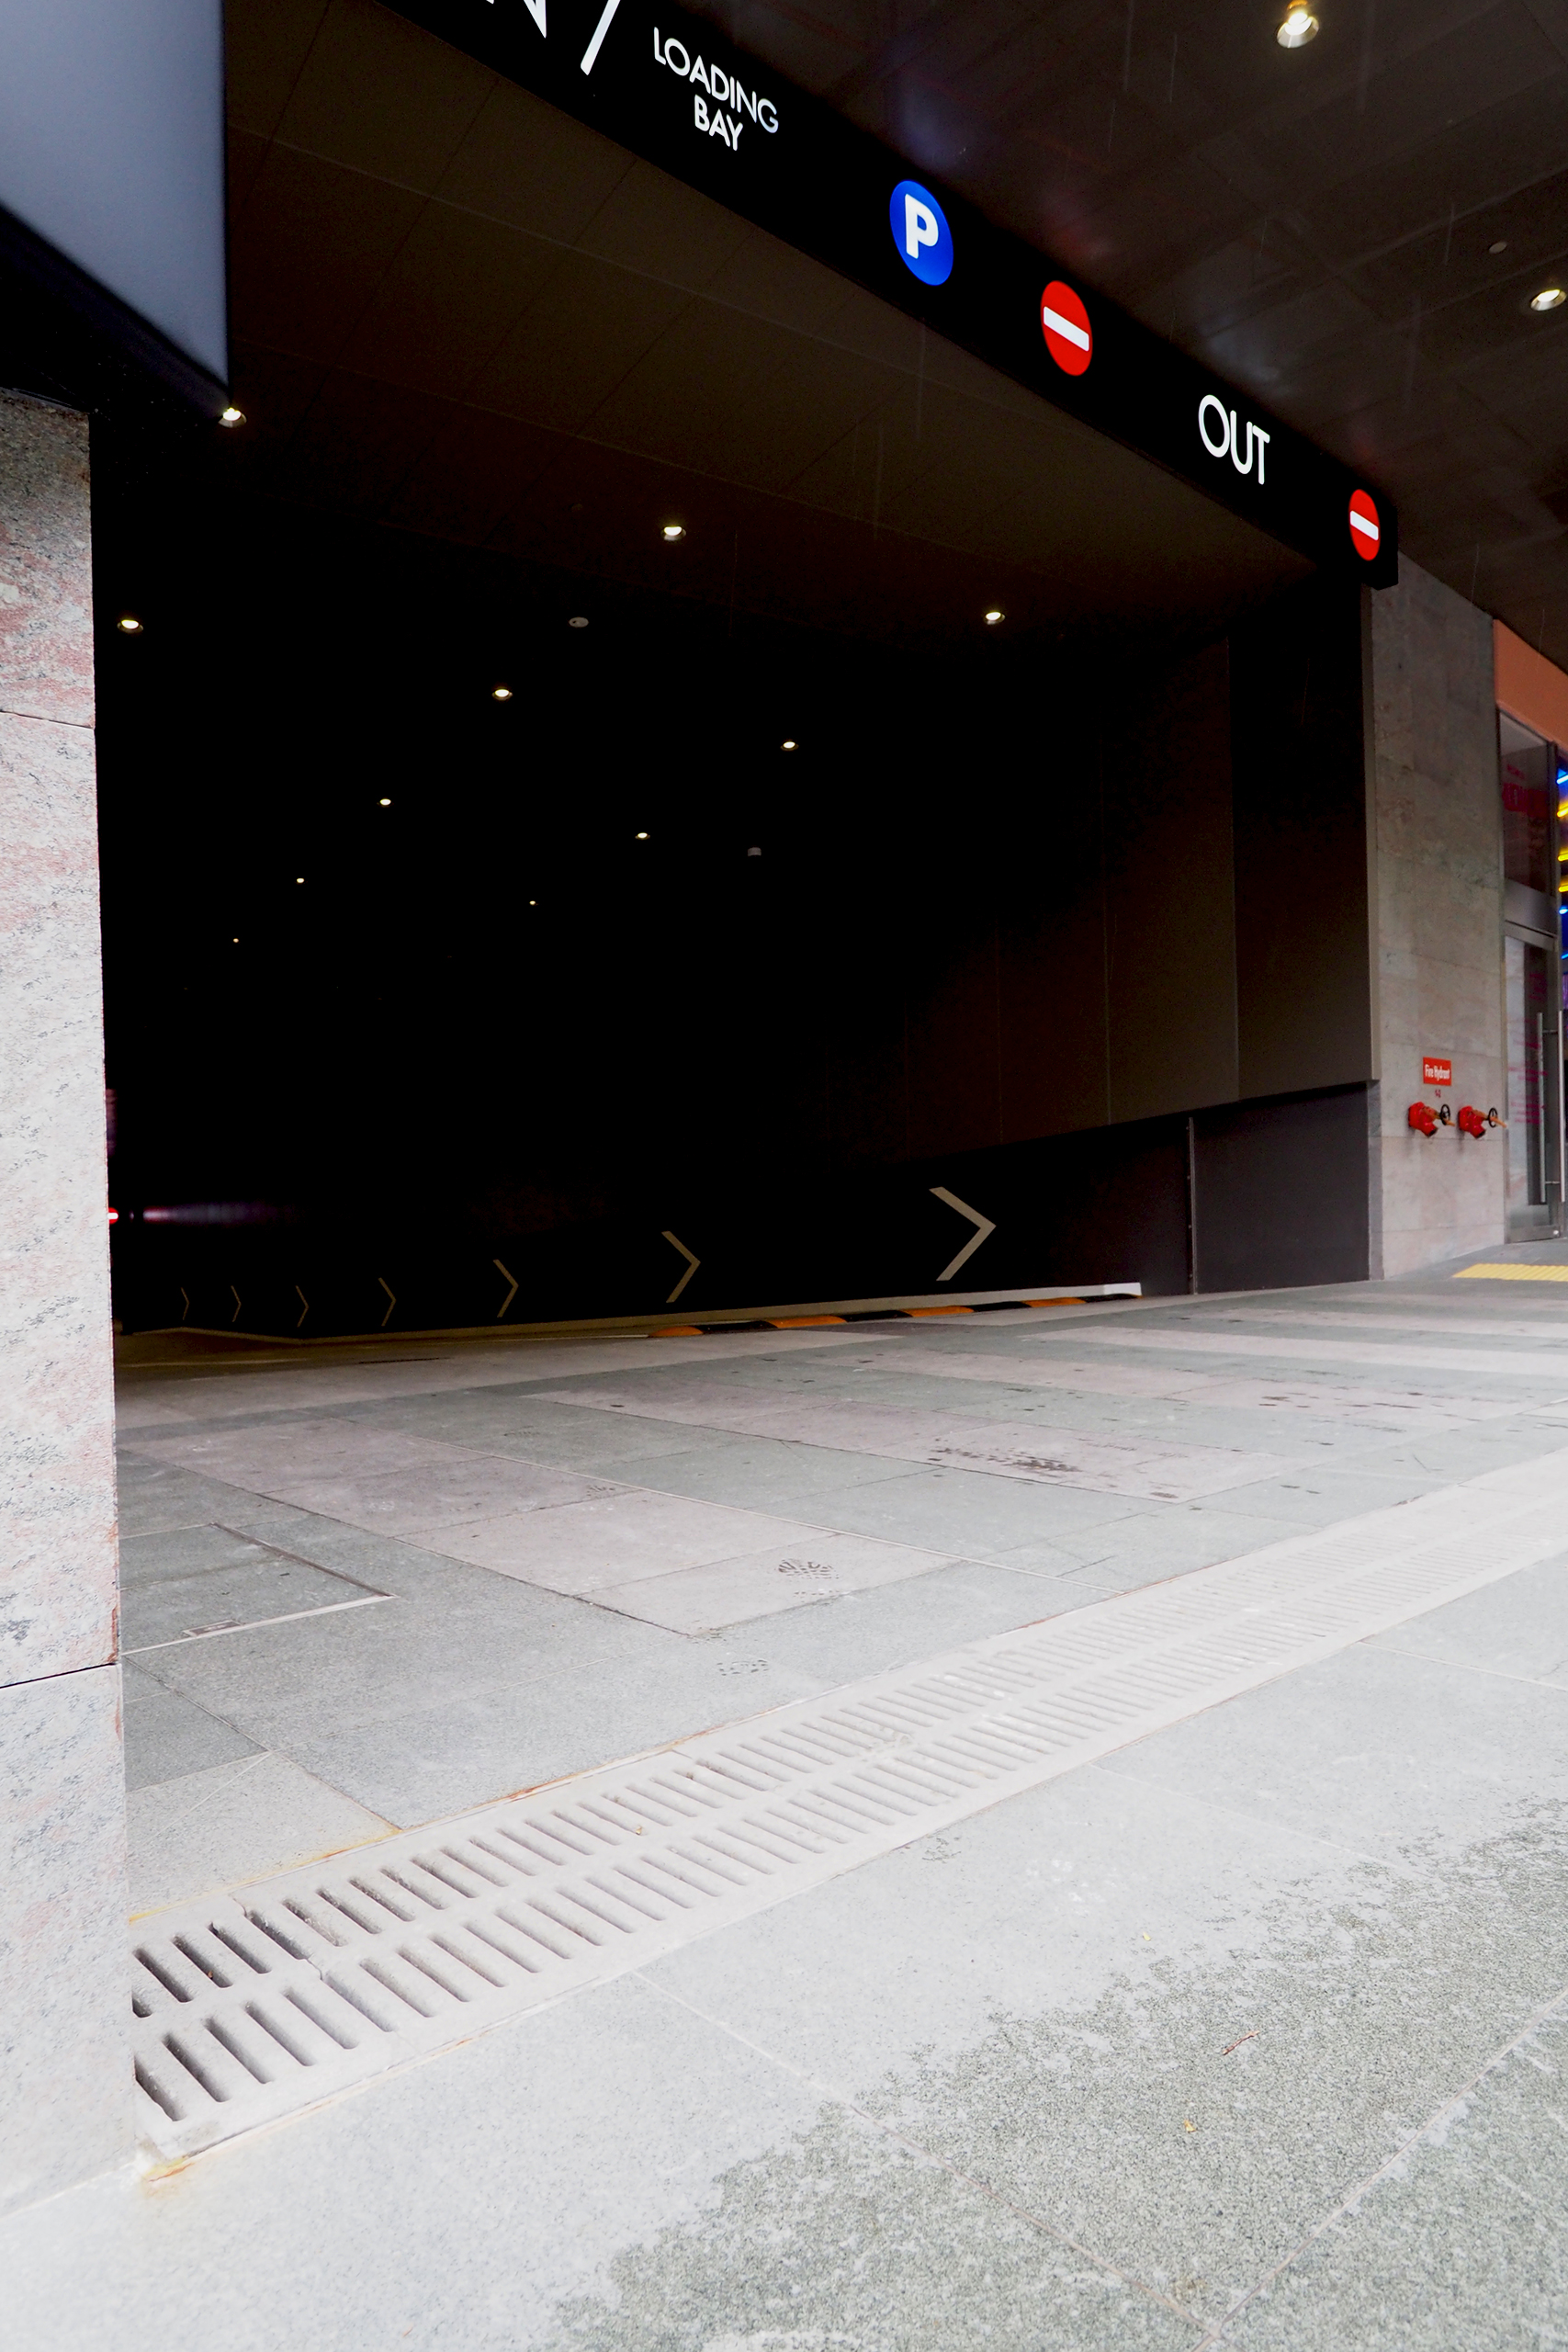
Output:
[[298, 877], [385, 804], [674, 530], [578, 620], [642, 837], [788, 744], [994, 615], [1549, 299], [231, 416], [236, 940], [532, 902], [1299, 27], [132, 628], [501, 693], [1500, 247]]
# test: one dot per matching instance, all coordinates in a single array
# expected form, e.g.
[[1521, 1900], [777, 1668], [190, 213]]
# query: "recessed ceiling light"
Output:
[[578, 620], [1500, 247], [236, 940], [753, 852], [131, 627], [298, 877], [994, 615], [788, 744], [642, 837], [1298, 28], [1549, 299], [674, 530], [501, 693], [385, 804], [231, 416], [532, 902]]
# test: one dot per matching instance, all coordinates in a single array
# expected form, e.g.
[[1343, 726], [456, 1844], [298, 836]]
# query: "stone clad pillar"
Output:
[[64, 2066], [1438, 882]]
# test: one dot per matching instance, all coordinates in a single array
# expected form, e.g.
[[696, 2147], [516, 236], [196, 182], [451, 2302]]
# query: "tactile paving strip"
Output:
[[253, 2005]]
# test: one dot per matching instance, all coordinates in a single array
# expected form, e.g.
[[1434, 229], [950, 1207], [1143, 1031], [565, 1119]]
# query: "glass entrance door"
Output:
[[1532, 981]]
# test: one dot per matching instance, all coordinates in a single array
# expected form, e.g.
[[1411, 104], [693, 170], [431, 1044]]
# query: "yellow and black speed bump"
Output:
[[870, 1314]]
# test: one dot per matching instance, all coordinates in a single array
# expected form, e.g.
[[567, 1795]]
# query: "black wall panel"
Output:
[[1304, 928], [1282, 1192]]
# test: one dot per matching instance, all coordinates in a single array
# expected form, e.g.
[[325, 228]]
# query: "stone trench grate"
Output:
[[259, 2003]]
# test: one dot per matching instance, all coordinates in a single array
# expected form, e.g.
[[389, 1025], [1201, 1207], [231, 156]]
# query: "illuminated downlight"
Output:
[[995, 615], [385, 804], [128, 625], [674, 530], [642, 837], [501, 693], [788, 744], [1299, 27], [231, 416], [1550, 297]]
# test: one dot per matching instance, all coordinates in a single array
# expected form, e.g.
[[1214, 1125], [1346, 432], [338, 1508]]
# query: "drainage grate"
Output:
[[255, 2005]]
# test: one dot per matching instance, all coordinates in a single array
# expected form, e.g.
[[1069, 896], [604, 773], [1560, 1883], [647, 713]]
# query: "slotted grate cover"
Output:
[[253, 2005]]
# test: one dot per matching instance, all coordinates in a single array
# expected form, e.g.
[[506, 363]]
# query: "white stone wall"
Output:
[[66, 2111], [1437, 894]]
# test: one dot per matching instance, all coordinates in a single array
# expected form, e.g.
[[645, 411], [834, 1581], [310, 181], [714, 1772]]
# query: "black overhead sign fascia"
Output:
[[672, 89]]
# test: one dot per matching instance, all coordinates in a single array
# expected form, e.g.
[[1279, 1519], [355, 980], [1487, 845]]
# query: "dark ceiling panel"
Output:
[[575, 344], [446, 304], [351, 103], [266, 49], [524, 163], [309, 250]]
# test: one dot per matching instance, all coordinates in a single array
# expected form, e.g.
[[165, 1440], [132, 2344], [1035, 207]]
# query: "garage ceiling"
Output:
[[459, 312], [1351, 230]]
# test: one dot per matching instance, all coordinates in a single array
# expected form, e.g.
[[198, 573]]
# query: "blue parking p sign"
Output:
[[920, 232]]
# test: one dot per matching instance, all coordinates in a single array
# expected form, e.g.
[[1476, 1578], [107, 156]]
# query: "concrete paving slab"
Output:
[[822, 1567], [1460, 2244], [371, 2223], [431, 1495], [279, 1681], [199, 1580], [1523, 1633], [1179, 2036], [966, 1513], [168, 1736], [585, 1547], [1382, 1752], [232, 1823]]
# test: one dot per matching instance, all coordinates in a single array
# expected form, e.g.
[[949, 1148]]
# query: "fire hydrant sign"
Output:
[[1437, 1070]]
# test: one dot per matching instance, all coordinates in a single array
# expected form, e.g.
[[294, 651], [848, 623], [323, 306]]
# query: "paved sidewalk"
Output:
[[1250, 2033]]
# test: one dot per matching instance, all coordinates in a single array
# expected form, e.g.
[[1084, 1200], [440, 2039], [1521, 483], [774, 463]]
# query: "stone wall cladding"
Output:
[[1438, 879], [64, 2042], [58, 1567]]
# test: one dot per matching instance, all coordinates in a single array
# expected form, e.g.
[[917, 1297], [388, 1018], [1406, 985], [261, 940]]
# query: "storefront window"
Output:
[[1531, 1029], [1530, 775]]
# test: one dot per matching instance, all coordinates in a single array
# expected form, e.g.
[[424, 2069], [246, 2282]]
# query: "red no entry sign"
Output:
[[1064, 323], [1366, 534]]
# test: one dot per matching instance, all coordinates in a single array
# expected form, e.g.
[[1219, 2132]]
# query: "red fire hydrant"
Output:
[[1423, 1118], [1472, 1122]]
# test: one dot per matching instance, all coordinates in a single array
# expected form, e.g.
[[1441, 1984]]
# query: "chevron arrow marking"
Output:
[[507, 1275], [387, 1286], [235, 1296], [304, 1305], [693, 1264], [985, 1226]]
